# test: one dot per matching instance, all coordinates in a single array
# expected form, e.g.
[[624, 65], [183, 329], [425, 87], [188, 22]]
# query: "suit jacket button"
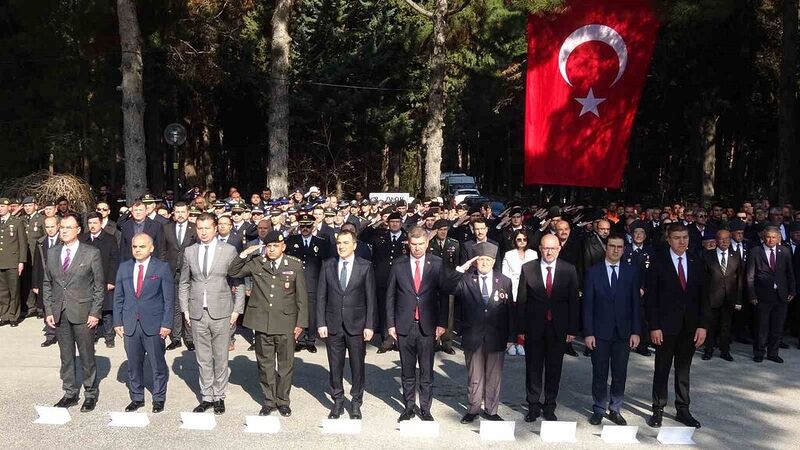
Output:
[[270, 304]]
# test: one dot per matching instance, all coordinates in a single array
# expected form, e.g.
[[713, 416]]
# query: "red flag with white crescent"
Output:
[[585, 72]]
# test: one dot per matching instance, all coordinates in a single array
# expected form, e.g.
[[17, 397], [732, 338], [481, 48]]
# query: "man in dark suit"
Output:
[[449, 250], [345, 315], [481, 230], [387, 247], [416, 315], [226, 234], [594, 246], [109, 226], [109, 253], [611, 327], [677, 313], [485, 297], [72, 293], [144, 306], [743, 318], [770, 287], [140, 223], [547, 318], [152, 210], [311, 250], [724, 273], [639, 253], [43, 245], [178, 236]]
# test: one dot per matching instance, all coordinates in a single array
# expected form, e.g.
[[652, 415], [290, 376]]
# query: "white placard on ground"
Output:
[[497, 431], [558, 431], [614, 434], [128, 419], [341, 426], [198, 421], [419, 429], [49, 415], [262, 424], [676, 435]]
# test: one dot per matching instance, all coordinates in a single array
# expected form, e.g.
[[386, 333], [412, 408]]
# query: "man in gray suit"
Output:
[[73, 288], [210, 308]]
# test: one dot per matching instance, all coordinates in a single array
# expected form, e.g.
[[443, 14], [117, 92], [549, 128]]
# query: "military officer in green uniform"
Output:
[[34, 229], [277, 312], [13, 256], [450, 251]]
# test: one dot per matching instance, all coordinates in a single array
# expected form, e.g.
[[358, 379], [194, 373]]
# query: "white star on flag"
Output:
[[589, 103]]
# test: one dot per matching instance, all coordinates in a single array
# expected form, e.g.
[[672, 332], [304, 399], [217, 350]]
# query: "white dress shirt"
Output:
[[413, 262], [544, 265], [349, 262], [73, 248], [489, 283], [727, 257], [675, 257], [136, 265], [608, 270]]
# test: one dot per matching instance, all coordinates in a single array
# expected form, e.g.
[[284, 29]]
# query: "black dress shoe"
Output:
[[15, 324], [252, 348], [726, 356], [758, 359], [202, 407], [549, 416], [88, 405], [408, 414], [311, 348], [617, 418], [266, 410], [48, 343], [532, 416], [190, 346], [707, 356], [781, 345], [110, 344], [468, 418], [133, 406], [158, 407], [686, 418], [425, 416], [285, 410], [492, 417], [174, 344], [571, 351], [776, 359], [644, 351], [219, 407], [355, 412], [4, 322], [66, 402], [336, 411], [656, 419], [596, 419]]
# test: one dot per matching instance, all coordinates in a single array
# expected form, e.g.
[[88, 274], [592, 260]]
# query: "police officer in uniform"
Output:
[[34, 229], [311, 250], [277, 312], [639, 253], [387, 245], [450, 251], [13, 256]]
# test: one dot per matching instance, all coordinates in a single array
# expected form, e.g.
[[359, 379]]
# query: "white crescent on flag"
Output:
[[588, 33]]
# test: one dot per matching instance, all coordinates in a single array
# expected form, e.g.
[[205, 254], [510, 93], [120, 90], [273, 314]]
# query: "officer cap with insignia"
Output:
[[275, 212], [441, 223], [736, 225], [194, 212], [292, 210], [306, 219], [4, 201], [329, 212], [272, 237], [147, 198], [28, 200], [486, 249], [237, 209], [219, 204], [258, 211], [365, 202], [394, 216]]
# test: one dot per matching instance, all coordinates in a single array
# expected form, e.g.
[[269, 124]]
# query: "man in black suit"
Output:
[[724, 273], [481, 230], [109, 226], [485, 297], [140, 223], [387, 246], [743, 318], [226, 234], [179, 235], [345, 317], [416, 315], [594, 246], [311, 250], [547, 317], [770, 287], [109, 253], [677, 313], [151, 207]]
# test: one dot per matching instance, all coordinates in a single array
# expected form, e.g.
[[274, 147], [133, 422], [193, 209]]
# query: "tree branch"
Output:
[[459, 9], [416, 6]]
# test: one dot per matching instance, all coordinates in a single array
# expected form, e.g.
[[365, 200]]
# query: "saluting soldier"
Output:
[[450, 251], [13, 256], [311, 250], [277, 312], [34, 229]]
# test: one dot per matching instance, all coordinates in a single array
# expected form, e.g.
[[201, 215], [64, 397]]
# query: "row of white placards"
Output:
[[489, 430]]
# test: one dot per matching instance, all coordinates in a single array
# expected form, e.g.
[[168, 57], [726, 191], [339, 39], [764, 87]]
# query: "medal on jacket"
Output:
[[11, 230], [316, 249], [496, 296]]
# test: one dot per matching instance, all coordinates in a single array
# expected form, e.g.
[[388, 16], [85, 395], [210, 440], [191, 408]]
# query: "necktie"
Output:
[[52, 242], [614, 278], [772, 259], [394, 239], [484, 290], [681, 273], [417, 283], [273, 265], [205, 260], [305, 244], [65, 264], [548, 289], [723, 264], [343, 276], [180, 233], [139, 280]]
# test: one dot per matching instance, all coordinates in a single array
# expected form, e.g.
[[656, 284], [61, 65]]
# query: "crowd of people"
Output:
[[415, 277]]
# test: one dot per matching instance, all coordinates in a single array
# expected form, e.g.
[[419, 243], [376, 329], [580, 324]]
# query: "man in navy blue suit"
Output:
[[144, 302], [611, 326], [140, 223]]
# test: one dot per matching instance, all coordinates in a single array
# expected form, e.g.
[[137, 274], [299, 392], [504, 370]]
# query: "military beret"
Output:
[[553, 212], [485, 249], [441, 223], [28, 199], [306, 219], [14, 200], [329, 211], [637, 224], [794, 226], [736, 225], [394, 216], [4, 201], [709, 235], [147, 198], [272, 237]]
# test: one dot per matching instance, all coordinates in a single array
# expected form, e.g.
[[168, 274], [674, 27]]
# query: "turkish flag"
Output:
[[586, 69]]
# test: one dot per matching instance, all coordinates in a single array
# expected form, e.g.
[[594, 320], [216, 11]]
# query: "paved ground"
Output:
[[741, 404]]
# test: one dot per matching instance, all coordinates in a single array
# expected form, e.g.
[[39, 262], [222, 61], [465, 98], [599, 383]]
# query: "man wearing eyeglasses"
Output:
[[242, 228], [697, 231], [178, 236]]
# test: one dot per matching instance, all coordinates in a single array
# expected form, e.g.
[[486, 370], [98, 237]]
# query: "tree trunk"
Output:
[[432, 135], [708, 130], [278, 170], [787, 92], [132, 100]]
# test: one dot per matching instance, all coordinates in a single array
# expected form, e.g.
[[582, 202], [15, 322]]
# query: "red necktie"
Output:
[[417, 283], [139, 281], [772, 259], [548, 289], [681, 273]]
